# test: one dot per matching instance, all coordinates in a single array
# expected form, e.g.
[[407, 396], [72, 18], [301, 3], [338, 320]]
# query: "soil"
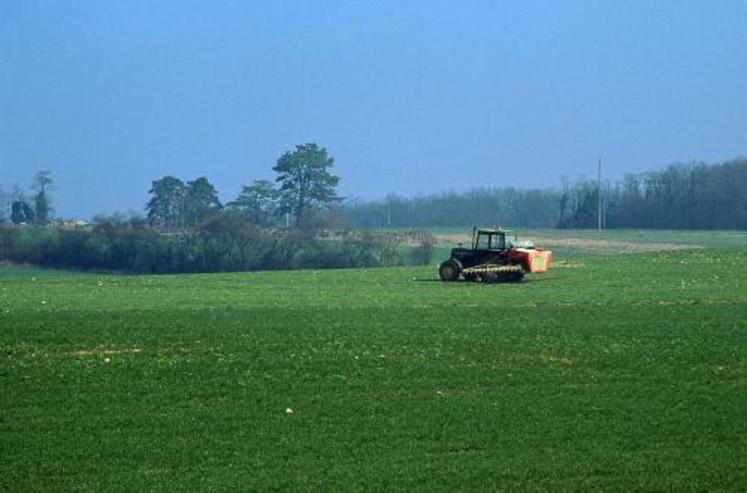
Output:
[[589, 245]]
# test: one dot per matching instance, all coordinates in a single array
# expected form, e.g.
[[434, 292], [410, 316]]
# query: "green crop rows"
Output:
[[610, 372]]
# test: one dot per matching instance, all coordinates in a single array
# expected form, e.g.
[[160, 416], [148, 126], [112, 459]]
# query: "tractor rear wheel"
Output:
[[449, 271]]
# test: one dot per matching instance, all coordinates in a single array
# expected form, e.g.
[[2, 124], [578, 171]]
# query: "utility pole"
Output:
[[605, 203], [599, 196]]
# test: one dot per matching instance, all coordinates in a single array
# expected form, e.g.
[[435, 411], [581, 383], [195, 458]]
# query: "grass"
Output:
[[612, 372]]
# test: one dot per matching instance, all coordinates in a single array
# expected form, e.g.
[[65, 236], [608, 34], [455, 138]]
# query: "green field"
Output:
[[614, 372]]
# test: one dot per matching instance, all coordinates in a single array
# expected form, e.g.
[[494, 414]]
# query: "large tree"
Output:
[[166, 207], [42, 204], [257, 202], [200, 201], [305, 181], [21, 212]]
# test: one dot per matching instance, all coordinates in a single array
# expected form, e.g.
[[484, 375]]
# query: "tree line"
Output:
[[533, 208], [188, 229], [298, 220], [681, 196], [303, 195], [17, 208], [304, 189]]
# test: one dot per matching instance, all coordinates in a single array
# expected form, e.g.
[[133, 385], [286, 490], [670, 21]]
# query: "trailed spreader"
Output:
[[495, 256]]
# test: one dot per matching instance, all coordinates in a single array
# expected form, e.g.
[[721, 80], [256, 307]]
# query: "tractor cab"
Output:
[[491, 239], [488, 246]]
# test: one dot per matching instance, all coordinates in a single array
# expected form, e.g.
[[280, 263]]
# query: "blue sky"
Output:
[[408, 96]]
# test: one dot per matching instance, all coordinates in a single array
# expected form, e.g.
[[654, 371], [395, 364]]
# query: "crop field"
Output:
[[614, 371]]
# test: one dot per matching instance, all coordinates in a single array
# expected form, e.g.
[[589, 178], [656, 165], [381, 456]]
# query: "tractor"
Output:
[[495, 255]]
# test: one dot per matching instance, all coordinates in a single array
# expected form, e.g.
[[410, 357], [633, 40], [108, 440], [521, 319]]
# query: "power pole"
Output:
[[599, 196], [605, 203]]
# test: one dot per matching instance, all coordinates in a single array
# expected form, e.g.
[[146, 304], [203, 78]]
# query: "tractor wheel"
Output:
[[449, 271]]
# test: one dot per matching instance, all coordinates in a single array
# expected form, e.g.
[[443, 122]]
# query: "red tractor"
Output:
[[494, 258]]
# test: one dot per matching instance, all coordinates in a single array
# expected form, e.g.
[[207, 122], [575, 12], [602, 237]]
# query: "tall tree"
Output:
[[165, 209], [305, 181], [21, 212], [43, 208], [257, 202], [200, 201], [5, 203]]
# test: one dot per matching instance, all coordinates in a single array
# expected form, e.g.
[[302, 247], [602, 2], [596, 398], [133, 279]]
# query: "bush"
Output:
[[225, 242]]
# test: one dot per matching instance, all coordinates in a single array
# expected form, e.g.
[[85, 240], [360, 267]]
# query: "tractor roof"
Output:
[[494, 231]]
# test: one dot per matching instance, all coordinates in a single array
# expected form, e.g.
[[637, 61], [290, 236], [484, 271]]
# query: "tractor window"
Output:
[[490, 242], [498, 242]]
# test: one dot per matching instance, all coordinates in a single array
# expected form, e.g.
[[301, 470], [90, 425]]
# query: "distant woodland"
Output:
[[297, 220], [682, 196]]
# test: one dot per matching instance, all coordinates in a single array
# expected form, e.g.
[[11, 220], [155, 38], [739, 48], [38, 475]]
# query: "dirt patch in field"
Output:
[[546, 358], [452, 239], [562, 264], [608, 246], [91, 352], [561, 360], [582, 244]]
